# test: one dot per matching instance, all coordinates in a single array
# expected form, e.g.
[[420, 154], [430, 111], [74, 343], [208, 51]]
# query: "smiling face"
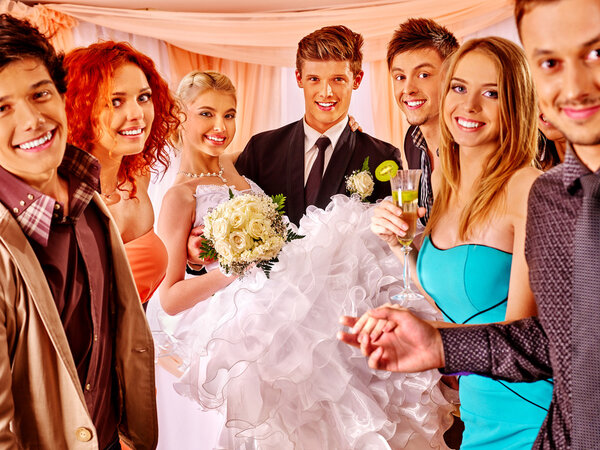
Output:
[[471, 107], [210, 122], [566, 65], [416, 80], [327, 89], [126, 125], [33, 122]]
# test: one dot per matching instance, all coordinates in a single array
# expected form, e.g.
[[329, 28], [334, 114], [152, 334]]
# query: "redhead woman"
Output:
[[120, 110]]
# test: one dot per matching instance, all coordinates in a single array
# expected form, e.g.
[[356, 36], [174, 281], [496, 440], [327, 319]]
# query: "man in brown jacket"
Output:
[[76, 355]]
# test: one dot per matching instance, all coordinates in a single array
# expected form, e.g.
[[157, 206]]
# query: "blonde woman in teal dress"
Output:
[[471, 261]]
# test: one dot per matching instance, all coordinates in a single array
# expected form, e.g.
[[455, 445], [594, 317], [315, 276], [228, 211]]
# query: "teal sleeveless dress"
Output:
[[469, 283]]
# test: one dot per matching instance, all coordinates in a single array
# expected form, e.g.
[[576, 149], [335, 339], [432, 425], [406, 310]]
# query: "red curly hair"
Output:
[[90, 72]]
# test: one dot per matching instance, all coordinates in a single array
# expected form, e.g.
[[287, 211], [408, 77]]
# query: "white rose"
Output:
[[252, 209], [237, 219], [257, 228], [224, 251], [237, 202], [363, 183], [239, 241], [220, 228]]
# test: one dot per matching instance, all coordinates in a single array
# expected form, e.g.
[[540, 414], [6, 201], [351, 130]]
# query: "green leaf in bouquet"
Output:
[[266, 266], [291, 236], [230, 194], [207, 251], [279, 200], [365, 166]]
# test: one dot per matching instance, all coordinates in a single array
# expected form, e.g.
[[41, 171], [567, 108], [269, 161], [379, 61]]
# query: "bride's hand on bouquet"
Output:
[[387, 222], [193, 248], [406, 344]]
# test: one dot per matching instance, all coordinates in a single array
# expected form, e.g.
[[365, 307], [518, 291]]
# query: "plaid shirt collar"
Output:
[[418, 139], [35, 211]]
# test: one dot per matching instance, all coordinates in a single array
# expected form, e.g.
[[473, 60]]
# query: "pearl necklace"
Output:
[[206, 174]]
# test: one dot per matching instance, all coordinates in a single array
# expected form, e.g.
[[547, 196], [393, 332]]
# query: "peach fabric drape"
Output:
[[52, 23], [270, 38], [389, 122], [258, 89], [250, 47]]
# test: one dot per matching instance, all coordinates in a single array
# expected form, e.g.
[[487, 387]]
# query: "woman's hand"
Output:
[[194, 244], [387, 222]]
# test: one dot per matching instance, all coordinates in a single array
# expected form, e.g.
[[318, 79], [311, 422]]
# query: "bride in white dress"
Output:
[[263, 352]]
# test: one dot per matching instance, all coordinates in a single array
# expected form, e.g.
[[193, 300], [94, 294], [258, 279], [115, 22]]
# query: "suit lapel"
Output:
[[333, 179], [27, 263], [295, 173]]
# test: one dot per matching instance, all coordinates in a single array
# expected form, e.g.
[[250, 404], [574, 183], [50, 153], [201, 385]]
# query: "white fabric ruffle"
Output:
[[264, 351]]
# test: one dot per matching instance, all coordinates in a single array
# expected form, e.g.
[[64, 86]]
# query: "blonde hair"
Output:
[[197, 82], [517, 139]]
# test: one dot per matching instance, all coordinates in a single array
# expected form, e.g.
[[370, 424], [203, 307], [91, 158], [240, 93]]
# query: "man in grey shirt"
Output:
[[562, 42]]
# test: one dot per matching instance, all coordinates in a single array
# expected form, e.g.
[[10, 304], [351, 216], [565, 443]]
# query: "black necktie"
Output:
[[586, 318], [316, 172]]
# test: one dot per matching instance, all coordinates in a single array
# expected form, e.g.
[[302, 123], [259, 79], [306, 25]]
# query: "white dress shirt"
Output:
[[310, 149]]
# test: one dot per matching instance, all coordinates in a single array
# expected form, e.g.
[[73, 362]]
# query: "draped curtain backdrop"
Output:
[[252, 47]]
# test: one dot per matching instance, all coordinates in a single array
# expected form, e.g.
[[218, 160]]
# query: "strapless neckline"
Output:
[[464, 245]]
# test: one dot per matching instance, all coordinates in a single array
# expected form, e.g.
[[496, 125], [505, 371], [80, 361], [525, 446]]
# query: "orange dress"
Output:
[[147, 257]]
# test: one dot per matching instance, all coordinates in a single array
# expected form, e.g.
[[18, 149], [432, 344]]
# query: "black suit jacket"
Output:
[[275, 161]]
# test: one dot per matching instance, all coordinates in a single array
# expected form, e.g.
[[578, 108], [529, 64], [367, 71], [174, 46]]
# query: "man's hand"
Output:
[[193, 248], [353, 124], [406, 344]]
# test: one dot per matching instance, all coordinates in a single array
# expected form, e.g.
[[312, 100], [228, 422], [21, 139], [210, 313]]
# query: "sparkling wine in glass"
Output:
[[405, 192]]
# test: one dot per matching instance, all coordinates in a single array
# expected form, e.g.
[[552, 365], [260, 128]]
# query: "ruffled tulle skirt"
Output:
[[264, 351]]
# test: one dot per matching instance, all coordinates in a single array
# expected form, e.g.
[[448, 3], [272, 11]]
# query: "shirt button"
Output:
[[83, 434], [95, 337], [88, 387], [22, 203], [57, 206], [30, 196], [16, 210]]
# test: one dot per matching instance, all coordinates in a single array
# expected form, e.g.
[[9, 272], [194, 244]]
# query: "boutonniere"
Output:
[[360, 182]]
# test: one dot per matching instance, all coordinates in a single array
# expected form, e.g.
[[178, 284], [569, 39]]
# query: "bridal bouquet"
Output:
[[247, 229]]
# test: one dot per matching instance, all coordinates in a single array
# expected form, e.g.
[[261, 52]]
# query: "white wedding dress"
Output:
[[264, 353]]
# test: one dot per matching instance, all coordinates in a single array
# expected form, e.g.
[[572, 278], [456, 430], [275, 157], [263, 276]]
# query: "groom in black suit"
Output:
[[308, 160]]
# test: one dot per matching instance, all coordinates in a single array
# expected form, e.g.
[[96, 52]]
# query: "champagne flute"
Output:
[[405, 192]]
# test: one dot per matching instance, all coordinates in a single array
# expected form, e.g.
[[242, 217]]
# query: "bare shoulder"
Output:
[[517, 190], [520, 182], [143, 181], [178, 196]]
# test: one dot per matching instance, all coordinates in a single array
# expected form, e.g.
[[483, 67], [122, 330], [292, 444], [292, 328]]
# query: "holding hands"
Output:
[[395, 340]]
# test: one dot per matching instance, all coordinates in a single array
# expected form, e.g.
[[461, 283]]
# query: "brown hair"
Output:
[[522, 7], [517, 138], [415, 34], [337, 43]]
